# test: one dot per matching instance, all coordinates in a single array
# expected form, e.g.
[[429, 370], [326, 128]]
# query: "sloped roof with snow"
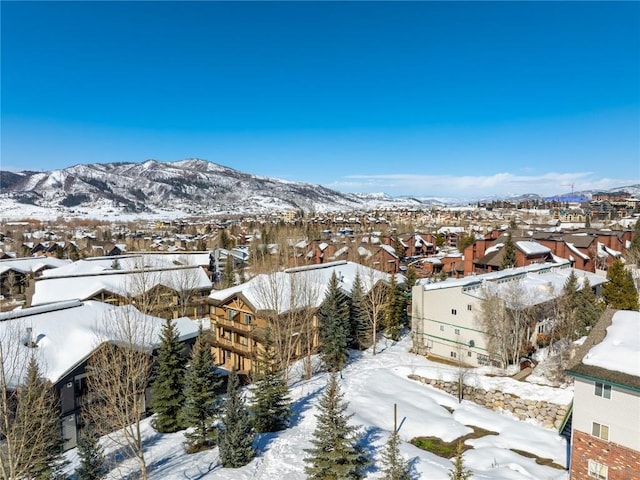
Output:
[[538, 282], [532, 248], [31, 264], [128, 283], [300, 287], [67, 332], [620, 349]]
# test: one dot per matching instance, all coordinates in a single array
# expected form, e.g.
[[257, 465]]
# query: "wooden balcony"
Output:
[[227, 344], [232, 325]]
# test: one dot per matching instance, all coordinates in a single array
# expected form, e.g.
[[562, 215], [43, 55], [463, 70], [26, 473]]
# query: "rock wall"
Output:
[[549, 415]]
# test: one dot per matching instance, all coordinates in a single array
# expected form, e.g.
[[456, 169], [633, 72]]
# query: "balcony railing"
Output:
[[237, 326]]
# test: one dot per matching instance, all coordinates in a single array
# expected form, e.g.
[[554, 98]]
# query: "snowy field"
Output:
[[371, 385]]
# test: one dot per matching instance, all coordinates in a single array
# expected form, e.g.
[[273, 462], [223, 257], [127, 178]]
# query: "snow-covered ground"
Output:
[[372, 385]]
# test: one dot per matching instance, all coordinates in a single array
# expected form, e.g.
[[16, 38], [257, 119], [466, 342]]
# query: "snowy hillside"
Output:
[[152, 188], [372, 384]]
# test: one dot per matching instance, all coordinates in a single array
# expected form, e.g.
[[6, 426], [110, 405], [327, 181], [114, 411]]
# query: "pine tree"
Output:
[[411, 279], [588, 309], [394, 310], [201, 399], [395, 467], [360, 327], [459, 472], [271, 405], [167, 388], [38, 413], [509, 253], [336, 454], [91, 456], [236, 434], [620, 291], [334, 327], [568, 303]]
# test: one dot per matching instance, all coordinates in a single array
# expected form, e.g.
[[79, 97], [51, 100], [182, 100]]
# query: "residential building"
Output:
[[65, 335], [284, 302], [605, 440], [445, 315], [158, 289]]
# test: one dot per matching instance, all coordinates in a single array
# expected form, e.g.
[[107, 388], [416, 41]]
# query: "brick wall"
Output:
[[623, 463]]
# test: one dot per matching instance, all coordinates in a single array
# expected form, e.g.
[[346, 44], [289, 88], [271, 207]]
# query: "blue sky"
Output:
[[407, 98]]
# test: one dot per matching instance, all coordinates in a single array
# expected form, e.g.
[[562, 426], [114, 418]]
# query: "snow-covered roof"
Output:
[[31, 264], [620, 349], [389, 249], [575, 250], [301, 286], [67, 332], [532, 248], [539, 282], [125, 283]]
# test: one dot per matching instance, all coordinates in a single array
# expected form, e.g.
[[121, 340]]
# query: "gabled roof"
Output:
[[66, 333], [299, 287], [611, 352], [128, 283], [31, 264]]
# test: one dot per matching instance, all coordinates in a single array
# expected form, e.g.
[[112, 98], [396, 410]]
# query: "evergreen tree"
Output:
[[336, 454], [271, 404], [236, 434], [395, 467], [620, 291], [361, 334], [588, 309], [395, 310], [411, 279], [201, 399], [509, 255], [167, 388], [91, 456], [334, 328], [38, 412], [567, 304], [459, 472]]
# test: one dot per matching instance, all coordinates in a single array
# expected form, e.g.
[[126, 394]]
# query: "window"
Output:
[[598, 470], [468, 353], [600, 431], [442, 328], [456, 331], [454, 311], [454, 354], [603, 390], [469, 307], [231, 314], [247, 319]]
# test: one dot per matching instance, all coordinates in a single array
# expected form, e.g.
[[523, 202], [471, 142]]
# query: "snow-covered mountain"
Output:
[[192, 186]]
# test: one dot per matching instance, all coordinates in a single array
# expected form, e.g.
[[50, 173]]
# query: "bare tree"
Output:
[[118, 374], [11, 283], [505, 317], [375, 303], [187, 283]]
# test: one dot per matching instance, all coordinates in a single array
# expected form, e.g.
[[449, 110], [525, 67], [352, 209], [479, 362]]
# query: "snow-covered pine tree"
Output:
[[336, 454], [237, 434], [271, 405], [38, 412], [394, 466], [92, 461], [334, 327], [167, 398], [201, 403], [361, 334]]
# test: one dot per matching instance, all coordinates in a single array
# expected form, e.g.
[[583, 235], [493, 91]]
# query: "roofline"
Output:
[[585, 376]]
